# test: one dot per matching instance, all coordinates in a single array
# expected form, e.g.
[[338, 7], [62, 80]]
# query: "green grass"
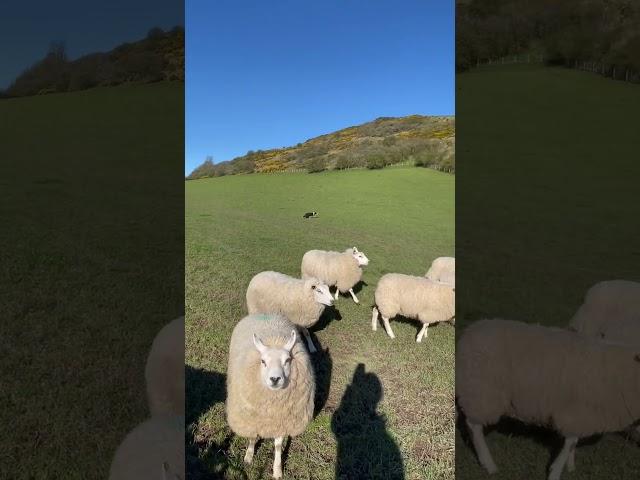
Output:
[[548, 175], [400, 403], [89, 237]]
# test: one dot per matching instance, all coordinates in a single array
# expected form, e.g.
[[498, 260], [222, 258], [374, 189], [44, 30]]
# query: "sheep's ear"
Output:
[[258, 343], [291, 342], [355, 250], [637, 357]]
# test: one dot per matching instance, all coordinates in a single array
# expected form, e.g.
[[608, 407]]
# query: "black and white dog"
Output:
[[310, 215]]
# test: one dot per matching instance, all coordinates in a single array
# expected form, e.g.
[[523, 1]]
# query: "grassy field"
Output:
[[380, 402], [91, 202], [547, 206]]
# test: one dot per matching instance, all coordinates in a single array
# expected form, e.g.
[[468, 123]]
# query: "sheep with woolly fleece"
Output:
[[413, 297], [443, 269], [153, 450], [606, 302], [164, 370], [270, 383], [546, 376], [342, 269], [301, 301]]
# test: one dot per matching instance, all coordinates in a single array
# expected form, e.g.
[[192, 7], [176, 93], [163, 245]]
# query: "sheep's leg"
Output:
[[481, 448], [337, 292], [423, 332], [374, 319], [558, 465], [387, 327], [353, 295], [277, 462], [307, 335], [571, 461], [248, 457]]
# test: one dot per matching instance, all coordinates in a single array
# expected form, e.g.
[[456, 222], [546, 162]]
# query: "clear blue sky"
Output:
[[264, 74], [28, 27]]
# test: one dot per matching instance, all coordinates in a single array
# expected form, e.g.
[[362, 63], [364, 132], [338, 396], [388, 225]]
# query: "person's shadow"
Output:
[[365, 448]]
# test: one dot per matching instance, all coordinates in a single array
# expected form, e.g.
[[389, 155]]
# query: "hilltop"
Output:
[[157, 57], [416, 139]]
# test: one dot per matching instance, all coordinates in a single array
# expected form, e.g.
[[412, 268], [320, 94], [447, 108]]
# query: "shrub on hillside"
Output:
[[314, 165], [376, 161]]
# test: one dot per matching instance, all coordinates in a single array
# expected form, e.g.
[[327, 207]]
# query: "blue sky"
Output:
[[264, 74], [28, 27]]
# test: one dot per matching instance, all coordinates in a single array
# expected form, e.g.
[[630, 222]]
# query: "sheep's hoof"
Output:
[[277, 473]]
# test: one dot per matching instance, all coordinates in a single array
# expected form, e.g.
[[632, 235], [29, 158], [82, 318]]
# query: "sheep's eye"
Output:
[[263, 362], [313, 287], [287, 361]]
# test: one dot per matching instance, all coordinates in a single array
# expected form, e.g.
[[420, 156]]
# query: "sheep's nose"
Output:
[[274, 380]]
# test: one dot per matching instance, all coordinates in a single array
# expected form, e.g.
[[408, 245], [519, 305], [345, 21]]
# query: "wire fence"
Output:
[[615, 72]]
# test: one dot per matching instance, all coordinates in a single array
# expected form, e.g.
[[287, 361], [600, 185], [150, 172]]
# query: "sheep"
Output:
[[301, 301], [443, 269], [606, 302], [577, 385], [413, 297], [153, 450], [270, 383], [164, 370], [334, 268]]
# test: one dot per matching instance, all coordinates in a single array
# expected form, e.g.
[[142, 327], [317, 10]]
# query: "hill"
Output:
[[158, 57], [417, 139]]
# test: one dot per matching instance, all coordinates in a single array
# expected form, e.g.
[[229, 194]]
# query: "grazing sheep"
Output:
[[153, 450], [164, 372], [270, 383], [310, 215], [443, 269], [552, 377], [301, 301], [334, 268], [607, 302], [412, 297]]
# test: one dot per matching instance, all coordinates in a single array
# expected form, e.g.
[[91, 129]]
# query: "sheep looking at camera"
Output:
[[413, 297], [342, 269], [552, 377], [300, 301], [270, 383]]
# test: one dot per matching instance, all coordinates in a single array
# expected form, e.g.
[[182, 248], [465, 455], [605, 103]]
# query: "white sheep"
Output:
[[270, 383], [606, 302], [342, 269], [301, 301], [154, 450], [443, 269], [552, 377], [413, 297], [164, 371]]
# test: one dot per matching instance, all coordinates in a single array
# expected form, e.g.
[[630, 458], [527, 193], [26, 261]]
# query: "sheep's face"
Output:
[[275, 362], [321, 292], [360, 257]]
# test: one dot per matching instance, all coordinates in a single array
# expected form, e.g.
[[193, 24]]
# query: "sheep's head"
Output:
[[275, 362], [360, 257], [321, 293]]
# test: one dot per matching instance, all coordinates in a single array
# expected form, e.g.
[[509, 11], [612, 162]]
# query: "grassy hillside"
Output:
[[428, 141], [400, 403], [90, 236], [549, 206]]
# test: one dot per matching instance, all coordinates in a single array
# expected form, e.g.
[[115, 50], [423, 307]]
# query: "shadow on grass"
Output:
[[418, 324], [328, 315], [204, 389], [322, 367], [365, 448]]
